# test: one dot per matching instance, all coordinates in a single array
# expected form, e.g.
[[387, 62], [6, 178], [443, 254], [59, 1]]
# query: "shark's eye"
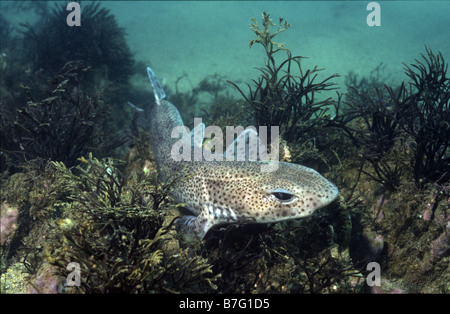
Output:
[[282, 196]]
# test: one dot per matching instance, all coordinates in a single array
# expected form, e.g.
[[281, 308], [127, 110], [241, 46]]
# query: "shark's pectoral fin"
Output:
[[198, 225]]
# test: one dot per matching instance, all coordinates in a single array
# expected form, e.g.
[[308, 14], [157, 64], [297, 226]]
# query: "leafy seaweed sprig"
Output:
[[265, 37]]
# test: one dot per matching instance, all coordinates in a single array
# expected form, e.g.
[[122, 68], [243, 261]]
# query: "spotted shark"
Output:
[[230, 191]]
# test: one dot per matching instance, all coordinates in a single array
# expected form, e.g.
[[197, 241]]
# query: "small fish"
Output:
[[220, 192]]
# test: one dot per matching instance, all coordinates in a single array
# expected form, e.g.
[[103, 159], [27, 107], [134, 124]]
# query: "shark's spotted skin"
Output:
[[220, 192]]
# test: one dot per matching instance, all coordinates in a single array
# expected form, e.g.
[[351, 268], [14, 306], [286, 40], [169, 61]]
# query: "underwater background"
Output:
[[78, 182]]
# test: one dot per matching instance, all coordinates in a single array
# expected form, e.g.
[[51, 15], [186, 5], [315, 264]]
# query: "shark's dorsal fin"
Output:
[[246, 147], [157, 87]]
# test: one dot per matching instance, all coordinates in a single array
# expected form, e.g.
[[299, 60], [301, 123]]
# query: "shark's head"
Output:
[[240, 192], [293, 191]]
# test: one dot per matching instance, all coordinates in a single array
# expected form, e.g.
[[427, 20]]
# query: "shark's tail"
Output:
[[157, 87]]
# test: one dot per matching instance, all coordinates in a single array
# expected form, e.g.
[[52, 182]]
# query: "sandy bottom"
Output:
[[202, 38]]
